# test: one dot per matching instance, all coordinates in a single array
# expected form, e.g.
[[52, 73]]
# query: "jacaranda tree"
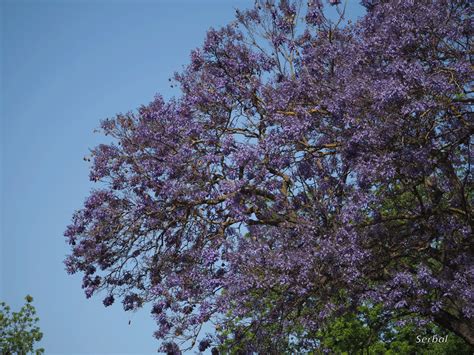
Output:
[[310, 166]]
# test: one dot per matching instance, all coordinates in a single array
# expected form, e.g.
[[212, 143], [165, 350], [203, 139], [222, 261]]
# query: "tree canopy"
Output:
[[19, 330], [309, 167]]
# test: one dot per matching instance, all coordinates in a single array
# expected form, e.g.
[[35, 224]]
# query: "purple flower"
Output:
[[109, 300]]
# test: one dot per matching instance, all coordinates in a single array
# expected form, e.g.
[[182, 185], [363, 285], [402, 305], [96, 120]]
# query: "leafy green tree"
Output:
[[371, 331], [368, 330], [19, 330]]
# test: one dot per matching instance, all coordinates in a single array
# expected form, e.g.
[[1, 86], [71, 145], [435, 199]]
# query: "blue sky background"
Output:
[[66, 64]]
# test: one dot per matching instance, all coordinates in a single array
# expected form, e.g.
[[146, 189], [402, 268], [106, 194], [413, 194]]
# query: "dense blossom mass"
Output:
[[310, 166]]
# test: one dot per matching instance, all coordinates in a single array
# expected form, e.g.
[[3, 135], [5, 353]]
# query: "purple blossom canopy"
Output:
[[305, 157]]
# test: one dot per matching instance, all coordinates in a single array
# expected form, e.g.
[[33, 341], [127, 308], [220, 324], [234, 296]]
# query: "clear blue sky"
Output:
[[65, 65]]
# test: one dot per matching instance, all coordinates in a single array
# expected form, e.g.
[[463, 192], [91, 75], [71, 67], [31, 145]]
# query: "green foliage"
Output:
[[370, 331], [19, 330]]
